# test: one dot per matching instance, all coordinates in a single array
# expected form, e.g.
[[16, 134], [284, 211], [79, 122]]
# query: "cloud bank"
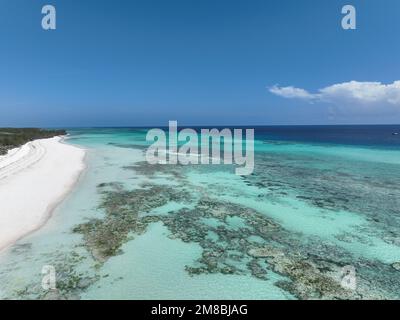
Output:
[[351, 96]]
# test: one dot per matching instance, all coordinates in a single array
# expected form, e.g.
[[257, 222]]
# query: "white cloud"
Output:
[[353, 95], [291, 92]]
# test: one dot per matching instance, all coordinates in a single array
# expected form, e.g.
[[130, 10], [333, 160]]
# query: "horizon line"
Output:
[[198, 126]]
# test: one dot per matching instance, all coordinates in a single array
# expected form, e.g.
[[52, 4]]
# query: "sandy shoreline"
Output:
[[33, 180]]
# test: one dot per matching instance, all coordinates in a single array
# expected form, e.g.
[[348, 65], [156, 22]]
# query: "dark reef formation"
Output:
[[104, 237], [255, 245]]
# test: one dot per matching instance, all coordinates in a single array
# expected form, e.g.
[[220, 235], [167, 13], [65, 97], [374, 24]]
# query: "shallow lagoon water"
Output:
[[321, 207], [152, 267]]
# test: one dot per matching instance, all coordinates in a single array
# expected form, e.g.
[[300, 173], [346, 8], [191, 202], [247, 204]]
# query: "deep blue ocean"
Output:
[[381, 136]]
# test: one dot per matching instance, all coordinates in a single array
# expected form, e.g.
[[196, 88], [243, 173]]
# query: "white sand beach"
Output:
[[33, 180]]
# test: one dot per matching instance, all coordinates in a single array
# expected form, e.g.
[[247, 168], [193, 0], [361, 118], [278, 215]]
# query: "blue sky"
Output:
[[201, 62]]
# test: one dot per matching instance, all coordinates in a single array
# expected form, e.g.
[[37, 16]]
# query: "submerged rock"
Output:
[[104, 236], [396, 266], [264, 252]]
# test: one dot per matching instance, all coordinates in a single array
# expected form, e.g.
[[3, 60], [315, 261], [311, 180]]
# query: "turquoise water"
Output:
[[130, 230]]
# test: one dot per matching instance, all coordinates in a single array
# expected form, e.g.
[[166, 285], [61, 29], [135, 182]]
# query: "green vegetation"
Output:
[[15, 137]]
